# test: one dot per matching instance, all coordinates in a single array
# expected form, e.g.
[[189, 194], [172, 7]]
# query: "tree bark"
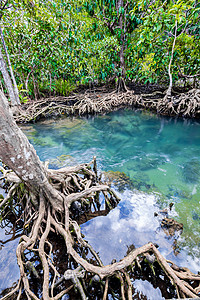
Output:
[[7, 80], [169, 90], [16, 92], [21, 157]]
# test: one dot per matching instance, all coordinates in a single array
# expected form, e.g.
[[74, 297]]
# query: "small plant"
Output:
[[23, 98], [64, 87], [45, 87]]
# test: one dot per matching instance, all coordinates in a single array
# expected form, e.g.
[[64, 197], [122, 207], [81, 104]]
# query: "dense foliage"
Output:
[[55, 46]]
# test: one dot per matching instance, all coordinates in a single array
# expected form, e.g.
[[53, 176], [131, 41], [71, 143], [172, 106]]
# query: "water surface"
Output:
[[159, 158], [152, 151]]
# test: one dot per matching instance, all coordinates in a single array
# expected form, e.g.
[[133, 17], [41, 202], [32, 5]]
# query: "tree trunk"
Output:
[[121, 80], [7, 80], [169, 90], [122, 61], [121, 86], [21, 157], [121, 54], [16, 92]]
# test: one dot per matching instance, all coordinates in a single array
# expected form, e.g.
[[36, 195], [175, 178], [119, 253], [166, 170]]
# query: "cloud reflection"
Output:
[[132, 222]]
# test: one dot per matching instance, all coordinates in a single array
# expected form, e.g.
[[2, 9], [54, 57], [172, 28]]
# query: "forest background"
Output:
[[57, 46]]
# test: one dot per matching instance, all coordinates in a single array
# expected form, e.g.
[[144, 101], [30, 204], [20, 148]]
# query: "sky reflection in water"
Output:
[[9, 270]]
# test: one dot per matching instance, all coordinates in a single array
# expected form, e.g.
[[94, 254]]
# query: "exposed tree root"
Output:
[[186, 105], [121, 86], [79, 186]]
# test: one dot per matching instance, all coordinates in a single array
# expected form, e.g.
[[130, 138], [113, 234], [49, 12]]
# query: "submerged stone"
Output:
[[171, 226], [119, 179], [179, 193], [191, 171], [122, 181], [148, 162], [195, 216], [69, 123], [62, 161]]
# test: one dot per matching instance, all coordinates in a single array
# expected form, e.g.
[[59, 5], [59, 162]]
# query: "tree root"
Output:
[[78, 184], [186, 105]]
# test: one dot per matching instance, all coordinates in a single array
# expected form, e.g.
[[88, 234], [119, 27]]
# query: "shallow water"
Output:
[[161, 162]]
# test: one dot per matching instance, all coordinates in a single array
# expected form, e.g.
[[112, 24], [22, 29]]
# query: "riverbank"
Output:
[[101, 100]]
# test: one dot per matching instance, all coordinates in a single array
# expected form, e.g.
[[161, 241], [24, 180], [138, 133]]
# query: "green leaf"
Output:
[[159, 27]]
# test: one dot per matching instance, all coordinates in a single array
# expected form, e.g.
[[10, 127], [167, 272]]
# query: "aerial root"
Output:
[[185, 104], [80, 185]]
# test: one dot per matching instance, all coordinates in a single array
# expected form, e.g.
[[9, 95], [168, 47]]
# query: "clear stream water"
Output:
[[161, 162]]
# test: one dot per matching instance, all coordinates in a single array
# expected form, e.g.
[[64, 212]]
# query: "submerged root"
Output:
[[81, 188]]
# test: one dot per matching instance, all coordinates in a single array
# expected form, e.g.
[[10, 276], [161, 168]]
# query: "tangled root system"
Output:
[[80, 186], [185, 105]]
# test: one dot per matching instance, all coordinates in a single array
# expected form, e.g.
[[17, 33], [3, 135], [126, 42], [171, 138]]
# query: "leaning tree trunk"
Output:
[[21, 157], [15, 88], [169, 90], [7, 80]]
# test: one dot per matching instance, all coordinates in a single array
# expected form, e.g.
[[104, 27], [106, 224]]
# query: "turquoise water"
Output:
[[161, 158], [161, 162]]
